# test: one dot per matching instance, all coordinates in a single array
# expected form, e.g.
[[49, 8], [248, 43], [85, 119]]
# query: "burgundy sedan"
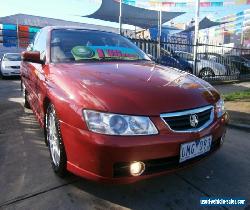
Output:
[[110, 114]]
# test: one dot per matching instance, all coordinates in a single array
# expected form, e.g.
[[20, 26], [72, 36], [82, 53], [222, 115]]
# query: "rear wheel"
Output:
[[55, 143], [206, 73], [25, 96]]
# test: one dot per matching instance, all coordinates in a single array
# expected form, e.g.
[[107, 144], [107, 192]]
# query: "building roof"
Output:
[[38, 21]]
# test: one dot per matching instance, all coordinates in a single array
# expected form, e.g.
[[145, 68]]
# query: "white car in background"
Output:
[[205, 67], [10, 64]]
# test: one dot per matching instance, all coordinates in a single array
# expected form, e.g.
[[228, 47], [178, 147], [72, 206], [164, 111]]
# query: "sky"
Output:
[[73, 10]]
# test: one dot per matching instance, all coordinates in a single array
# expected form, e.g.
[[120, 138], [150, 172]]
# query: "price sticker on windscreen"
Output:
[[103, 52]]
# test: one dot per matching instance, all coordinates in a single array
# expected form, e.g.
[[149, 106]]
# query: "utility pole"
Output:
[[196, 34], [159, 33], [120, 18], [17, 31]]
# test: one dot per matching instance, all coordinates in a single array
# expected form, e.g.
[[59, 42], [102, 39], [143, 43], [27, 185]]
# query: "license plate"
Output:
[[195, 148]]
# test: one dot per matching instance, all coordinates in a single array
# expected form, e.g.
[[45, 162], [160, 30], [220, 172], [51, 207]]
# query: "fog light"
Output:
[[137, 168]]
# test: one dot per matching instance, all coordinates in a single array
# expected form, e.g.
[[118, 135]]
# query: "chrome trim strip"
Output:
[[188, 112]]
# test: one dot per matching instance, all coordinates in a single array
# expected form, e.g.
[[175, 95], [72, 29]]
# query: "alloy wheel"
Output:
[[206, 73], [53, 139]]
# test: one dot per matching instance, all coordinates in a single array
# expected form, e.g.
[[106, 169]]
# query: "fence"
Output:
[[214, 62]]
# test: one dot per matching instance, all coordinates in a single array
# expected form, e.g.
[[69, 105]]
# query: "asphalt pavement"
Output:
[[28, 182]]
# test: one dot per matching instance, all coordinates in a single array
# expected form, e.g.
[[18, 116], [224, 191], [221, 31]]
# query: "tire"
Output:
[[55, 142], [206, 73], [25, 96], [189, 70], [1, 75]]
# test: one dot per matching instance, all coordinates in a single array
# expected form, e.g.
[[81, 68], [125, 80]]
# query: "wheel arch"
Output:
[[46, 103]]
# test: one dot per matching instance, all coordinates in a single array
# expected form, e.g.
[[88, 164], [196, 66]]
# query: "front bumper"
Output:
[[106, 158], [10, 72]]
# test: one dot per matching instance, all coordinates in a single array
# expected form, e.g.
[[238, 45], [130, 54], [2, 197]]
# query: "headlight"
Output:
[[220, 108], [116, 124]]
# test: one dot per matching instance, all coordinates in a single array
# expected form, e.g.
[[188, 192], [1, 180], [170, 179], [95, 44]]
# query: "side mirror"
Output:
[[32, 56]]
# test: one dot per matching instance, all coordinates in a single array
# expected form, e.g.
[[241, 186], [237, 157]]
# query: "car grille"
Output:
[[15, 67], [183, 121], [163, 164]]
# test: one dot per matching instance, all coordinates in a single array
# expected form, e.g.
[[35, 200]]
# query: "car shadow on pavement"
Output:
[[239, 117], [165, 192], [10, 78], [25, 163]]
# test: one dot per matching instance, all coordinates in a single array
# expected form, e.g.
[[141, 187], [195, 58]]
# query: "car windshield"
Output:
[[12, 57], [73, 45]]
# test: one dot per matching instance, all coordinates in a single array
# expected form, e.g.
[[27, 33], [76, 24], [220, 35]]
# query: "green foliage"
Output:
[[241, 95]]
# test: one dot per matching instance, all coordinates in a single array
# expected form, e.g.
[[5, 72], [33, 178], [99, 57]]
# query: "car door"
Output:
[[38, 75], [32, 73], [28, 77]]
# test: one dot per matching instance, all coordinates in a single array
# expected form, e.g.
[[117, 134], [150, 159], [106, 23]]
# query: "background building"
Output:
[[236, 32]]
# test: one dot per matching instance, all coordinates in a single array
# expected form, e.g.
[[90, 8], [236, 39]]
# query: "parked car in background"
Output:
[[242, 64], [111, 114], [169, 58], [205, 68], [10, 64], [216, 59]]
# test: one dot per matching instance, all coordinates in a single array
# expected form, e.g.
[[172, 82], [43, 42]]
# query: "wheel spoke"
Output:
[[53, 138]]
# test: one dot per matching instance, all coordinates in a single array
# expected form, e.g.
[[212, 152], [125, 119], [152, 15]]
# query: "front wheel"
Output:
[[25, 96], [55, 143], [206, 73]]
